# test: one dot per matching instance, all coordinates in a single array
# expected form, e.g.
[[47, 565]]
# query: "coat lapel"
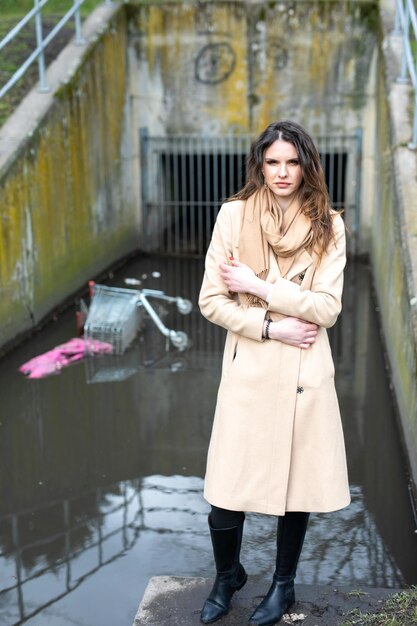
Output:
[[300, 265]]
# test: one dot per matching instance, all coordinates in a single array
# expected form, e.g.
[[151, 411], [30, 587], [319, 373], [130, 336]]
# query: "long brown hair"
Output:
[[314, 197]]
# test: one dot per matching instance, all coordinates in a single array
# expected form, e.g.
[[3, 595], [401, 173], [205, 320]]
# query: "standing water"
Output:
[[101, 467]]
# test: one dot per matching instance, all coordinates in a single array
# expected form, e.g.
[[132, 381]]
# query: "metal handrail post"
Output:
[[79, 40], [403, 78], [397, 24], [413, 143], [43, 87]]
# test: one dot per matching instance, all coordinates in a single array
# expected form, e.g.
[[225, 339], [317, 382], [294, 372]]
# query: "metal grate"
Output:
[[186, 178]]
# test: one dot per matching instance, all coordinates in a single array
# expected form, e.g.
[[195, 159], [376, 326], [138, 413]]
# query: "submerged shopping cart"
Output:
[[116, 314]]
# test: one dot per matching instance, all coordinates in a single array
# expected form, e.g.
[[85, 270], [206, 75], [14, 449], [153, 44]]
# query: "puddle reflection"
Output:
[[101, 468]]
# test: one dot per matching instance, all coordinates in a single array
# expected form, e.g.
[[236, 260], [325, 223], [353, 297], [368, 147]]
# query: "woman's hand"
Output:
[[294, 332], [240, 278]]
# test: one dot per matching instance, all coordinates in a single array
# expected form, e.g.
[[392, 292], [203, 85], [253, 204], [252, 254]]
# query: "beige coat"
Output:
[[277, 442]]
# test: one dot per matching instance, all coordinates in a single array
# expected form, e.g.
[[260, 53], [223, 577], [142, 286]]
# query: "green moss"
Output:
[[367, 13], [62, 168], [262, 14], [67, 89]]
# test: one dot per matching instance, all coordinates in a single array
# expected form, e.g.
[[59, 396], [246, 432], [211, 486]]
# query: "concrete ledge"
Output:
[[177, 601]]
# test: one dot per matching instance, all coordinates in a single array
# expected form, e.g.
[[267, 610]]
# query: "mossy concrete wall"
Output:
[[69, 160], [66, 213], [394, 229], [221, 66]]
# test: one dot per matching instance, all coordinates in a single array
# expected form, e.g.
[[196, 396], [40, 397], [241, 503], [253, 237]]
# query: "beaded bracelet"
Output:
[[267, 325]]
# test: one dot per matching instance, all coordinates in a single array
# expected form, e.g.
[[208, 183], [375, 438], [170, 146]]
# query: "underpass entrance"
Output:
[[185, 179]]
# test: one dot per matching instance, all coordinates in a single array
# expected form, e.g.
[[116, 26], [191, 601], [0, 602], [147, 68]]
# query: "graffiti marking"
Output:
[[215, 63]]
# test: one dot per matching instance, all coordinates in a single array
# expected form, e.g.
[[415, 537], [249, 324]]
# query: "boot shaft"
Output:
[[226, 544], [291, 532]]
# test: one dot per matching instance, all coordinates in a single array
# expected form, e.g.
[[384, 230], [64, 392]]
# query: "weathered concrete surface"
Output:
[[213, 67], [177, 601], [394, 229], [66, 207]]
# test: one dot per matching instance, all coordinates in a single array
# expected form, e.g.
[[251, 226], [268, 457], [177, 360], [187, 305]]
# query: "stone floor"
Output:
[[176, 601]]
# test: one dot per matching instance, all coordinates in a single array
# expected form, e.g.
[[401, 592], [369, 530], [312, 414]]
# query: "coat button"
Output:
[[300, 389]]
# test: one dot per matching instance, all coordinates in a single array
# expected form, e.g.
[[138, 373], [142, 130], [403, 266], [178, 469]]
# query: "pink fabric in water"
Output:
[[54, 360]]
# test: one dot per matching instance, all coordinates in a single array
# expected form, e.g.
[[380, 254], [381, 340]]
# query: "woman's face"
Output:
[[282, 170]]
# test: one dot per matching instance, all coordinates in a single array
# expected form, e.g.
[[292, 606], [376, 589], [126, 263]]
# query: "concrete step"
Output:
[[177, 601]]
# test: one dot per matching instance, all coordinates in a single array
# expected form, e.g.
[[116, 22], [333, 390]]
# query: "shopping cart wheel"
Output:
[[179, 340], [184, 306]]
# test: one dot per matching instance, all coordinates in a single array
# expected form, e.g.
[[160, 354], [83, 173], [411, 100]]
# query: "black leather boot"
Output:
[[291, 532], [230, 576]]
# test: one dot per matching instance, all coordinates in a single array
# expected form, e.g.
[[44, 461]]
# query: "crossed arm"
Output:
[[305, 310], [239, 278]]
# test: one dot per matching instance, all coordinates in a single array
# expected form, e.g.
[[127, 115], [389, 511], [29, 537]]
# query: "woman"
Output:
[[273, 279]]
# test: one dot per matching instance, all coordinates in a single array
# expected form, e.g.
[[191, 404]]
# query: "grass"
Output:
[[18, 50], [53, 7], [398, 610]]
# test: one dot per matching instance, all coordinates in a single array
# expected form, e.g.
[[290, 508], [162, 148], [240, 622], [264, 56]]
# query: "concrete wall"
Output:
[[69, 162], [66, 208], [218, 66], [394, 229]]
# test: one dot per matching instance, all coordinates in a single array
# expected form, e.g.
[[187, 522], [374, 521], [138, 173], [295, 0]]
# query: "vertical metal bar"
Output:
[[162, 150], [207, 194], [358, 167], [413, 143], [193, 208], [339, 152], [200, 196], [223, 169], [216, 198], [330, 155], [240, 162], [397, 24], [159, 196], [184, 197], [124, 526], [39, 43], [403, 78], [232, 185], [77, 20], [99, 527], [65, 506], [143, 148], [167, 228], [18, 564], [176, 198]]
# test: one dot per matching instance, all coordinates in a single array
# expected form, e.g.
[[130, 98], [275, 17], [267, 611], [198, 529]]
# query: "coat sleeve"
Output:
[[323, 302], [215, 301]]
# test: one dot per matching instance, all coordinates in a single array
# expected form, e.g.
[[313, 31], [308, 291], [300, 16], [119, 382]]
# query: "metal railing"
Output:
[[41, 42], [197, 173], [406, 27]]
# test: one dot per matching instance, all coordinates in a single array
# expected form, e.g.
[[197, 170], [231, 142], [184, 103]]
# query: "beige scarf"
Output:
[[265, 225]]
